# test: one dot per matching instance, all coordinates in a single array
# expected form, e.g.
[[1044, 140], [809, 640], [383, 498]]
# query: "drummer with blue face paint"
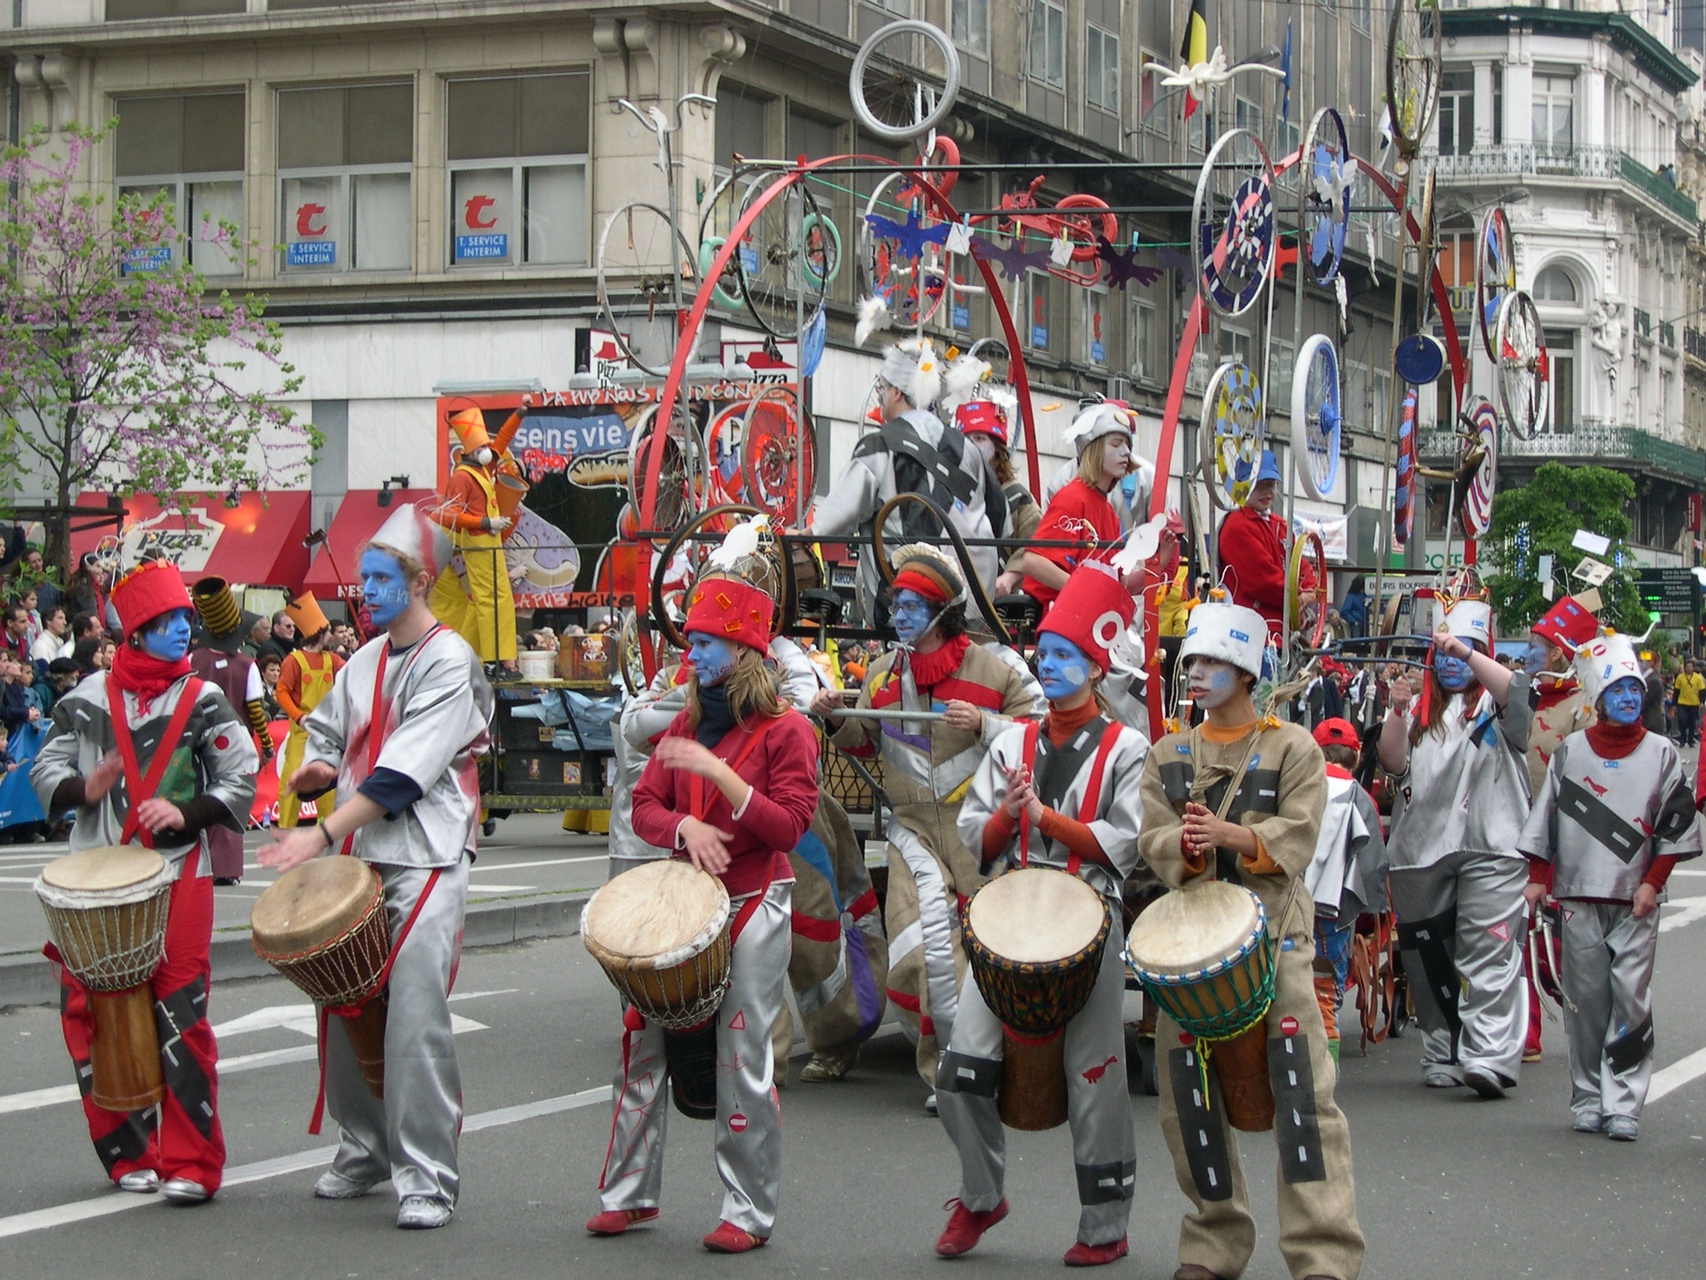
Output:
[[1239, 798]]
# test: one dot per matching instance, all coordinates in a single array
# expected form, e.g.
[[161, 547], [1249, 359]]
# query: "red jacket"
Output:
[[1078, 513], [1252, 557], [782, 769]]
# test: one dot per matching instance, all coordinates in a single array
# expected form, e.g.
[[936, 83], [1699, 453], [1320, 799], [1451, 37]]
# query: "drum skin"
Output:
[[660, 932], [1041, 986]]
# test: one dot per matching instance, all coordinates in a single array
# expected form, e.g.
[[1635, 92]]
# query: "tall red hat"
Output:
[[730, 610], [1567, 624], [147, 591], [1092, 610]]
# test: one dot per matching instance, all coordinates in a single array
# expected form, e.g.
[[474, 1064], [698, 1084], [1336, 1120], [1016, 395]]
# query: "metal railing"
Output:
[[1518, 159], [1585, 440], [1694, 342]]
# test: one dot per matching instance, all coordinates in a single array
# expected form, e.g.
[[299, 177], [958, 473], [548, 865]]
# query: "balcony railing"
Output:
[[1588, 440], [1694, 343], [1518, 159]]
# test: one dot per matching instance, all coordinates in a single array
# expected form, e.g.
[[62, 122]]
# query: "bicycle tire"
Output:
[[944, 103], [654, 280]]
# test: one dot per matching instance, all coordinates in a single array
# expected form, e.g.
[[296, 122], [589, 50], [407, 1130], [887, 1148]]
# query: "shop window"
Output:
[[517, 151], [344, 170], [191, 148]]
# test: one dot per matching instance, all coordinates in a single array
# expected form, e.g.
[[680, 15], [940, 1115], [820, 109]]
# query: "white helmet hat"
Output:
[[412, 530], [1468, 620], [1227, 633], [1104, 418], [1605, 660], [913, 368]]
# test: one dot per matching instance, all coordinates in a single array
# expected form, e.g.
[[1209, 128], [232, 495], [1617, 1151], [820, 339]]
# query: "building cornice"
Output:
[[1626, 35]]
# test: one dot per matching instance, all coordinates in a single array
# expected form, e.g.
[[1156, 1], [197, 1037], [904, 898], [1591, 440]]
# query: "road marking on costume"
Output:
[[1682, 1071], [292, 1017], [1680, 911], [116, 1201]]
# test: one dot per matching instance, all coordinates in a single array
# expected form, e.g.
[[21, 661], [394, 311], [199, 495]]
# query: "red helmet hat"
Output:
[[1092, 611], [982, 415], [1568, 625], [731, 610], [1337, 732], [153, 588]]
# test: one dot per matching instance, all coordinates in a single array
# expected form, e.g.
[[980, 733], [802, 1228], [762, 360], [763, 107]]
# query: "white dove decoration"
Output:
[[1140, 544], [1201, 77], [1333, 188], [739, 543]]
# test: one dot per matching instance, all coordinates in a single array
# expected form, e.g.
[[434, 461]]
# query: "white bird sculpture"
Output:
[[739, 543], [1200, 77]]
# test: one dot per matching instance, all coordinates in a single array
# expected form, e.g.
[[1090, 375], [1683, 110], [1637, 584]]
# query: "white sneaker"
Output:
[[422, 1213], [332, 1185], [1437, 1079], [930, 1103], [183, 1191], [144, 1182], [1622, 1128]]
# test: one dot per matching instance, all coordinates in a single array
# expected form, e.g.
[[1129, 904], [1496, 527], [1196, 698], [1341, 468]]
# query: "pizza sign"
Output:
[[186, 538]]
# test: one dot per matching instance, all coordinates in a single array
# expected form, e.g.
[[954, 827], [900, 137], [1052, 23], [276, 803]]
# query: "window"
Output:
[[1145, 343], [1234, 344], [1248, 115], [191, 148], [1553, 107], [1039, 309], [1561, 352], [517, 149], [1098, 321], [1156, 125], [740, 124], [1456, 253], [969, 22], [1554, 285], [1362, 14], [1276, 391], [1048, 43], [1457, 113], [344, 169], [131, 10], [1102, 68]]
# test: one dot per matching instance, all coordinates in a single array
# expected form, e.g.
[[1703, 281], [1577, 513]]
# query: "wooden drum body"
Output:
[[106, 912], [1202, 953], [660, 932], [323, 926], [1034, 942]]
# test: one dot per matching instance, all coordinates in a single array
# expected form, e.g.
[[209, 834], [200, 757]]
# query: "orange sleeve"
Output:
[[997, 831], [1075, 835], [1194, 862], [1261, 864], [464, 504], [506, 433], [288, 691]]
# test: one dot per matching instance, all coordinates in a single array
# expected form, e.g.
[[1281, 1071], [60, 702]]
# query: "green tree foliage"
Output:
[[1540, 518]]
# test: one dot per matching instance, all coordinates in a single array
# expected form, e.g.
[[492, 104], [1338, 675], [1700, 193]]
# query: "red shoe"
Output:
[[966, 1227], [1095, 1255], [613, 1222], [728, 1238]]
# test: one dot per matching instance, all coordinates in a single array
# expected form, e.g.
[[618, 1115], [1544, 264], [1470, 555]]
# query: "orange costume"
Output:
[[303, 679], [469, 510]]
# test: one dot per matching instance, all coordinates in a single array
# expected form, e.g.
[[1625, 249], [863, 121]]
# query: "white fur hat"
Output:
[[1227, 633], [411, 530], [1469, 620], [1605, 660], [1105, 418], [914, 369]]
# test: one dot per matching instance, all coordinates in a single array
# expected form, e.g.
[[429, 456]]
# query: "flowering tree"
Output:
[[117, 367]]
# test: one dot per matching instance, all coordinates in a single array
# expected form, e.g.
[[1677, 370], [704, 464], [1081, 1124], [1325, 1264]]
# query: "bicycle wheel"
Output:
[[1306, 607], [1324, 209], [1316, 416], [904, 80], [1412, 71], [786, 261], [1495, 274], [1234, 238], [1480, 447], [779, 456], [900, 256], [674, 486], [1232, 408], [1082, 229], [1523, 366], [647, 273], [1404, 487]]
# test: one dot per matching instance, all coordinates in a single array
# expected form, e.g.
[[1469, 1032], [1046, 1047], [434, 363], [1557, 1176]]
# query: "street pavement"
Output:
[[1448, 1185]]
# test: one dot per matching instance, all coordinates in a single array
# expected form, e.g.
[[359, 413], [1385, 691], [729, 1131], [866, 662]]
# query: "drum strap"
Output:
[[137, 786], [1092, 793]]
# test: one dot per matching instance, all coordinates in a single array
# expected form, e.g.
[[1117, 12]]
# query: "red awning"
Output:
[[256, 543], [359, 516]]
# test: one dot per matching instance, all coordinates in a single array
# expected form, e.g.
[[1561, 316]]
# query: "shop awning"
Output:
[[360, 514], [256, 543]]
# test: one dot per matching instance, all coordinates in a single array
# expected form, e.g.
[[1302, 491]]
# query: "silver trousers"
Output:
[[410, 1136], [1104, 1140], [1607, 977], [1460, 932], [748, 1139]]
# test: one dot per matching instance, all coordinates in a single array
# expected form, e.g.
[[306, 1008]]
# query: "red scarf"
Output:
[[139, 672], [929, 669], [1555, 691], [1614, 741]]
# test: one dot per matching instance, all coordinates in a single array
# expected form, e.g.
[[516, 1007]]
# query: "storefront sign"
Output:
[[604, 355], [186, 538], [470, 248], [771, 362], [311, 253], [140, 260]]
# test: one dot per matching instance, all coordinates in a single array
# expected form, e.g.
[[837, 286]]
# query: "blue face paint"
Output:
[[1621, 703], [1212, 682], [1452, 673], [1062, 668], [384, 588], [168, 636], [712, 657], [910, 615], [1534, 661]]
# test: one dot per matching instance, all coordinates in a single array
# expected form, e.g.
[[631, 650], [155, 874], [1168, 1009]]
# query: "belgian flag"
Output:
[[1195, 46]]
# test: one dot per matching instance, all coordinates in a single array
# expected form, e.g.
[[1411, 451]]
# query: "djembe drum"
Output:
[[1202, 954], [323, 926], [106, 912], [1034, 943], [661, 934]]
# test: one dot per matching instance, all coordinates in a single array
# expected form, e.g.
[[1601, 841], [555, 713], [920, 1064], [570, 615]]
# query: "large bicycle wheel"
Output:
[[1325, 194], [647, 273], [1523, 366], [1412, 71], [904, 80], [1495, 274], [674, 485], [787, 260], [1234, 414], [1234, 237], [1316, 416], [900, 256], [779, 455]]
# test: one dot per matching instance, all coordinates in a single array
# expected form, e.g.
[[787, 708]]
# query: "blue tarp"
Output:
[[592, 718], [18, 802]]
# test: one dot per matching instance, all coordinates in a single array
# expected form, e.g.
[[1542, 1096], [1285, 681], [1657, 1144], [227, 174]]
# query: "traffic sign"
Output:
[[1667, 590]]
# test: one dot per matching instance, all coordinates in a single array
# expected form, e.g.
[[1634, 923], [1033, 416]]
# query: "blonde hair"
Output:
[[754, 690], [1090, 469]]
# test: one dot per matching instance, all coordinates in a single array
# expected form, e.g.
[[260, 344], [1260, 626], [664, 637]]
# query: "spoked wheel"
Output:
[[1412, 71], [1234, 237], [901, 251], [1495, 274], [787, 261], [1523, 367], [646, 273], [1306, 605], [1325, 209], [779, 456], [1234, 412], [1478, 454], [1316, 416], [675, 487], [723, 454], [1404, 487], [1427, 250], [904, 80]]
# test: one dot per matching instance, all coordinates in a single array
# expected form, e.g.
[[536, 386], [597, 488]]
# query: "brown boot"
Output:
[[828, 1065]]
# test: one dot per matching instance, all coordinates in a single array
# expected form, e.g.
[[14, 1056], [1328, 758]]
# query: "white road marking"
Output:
[[1683, 1071], [500, 888], [527, 864], [116, 1201], [1680, 911], [1678, 871]]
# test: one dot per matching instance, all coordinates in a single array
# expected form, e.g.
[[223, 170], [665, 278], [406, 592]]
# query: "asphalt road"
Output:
[[1448, 1185]]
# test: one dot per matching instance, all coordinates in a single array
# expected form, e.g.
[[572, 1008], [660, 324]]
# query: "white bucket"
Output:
[[537, 664]]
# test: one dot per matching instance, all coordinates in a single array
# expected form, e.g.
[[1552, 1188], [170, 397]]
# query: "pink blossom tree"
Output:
[[119, 369]]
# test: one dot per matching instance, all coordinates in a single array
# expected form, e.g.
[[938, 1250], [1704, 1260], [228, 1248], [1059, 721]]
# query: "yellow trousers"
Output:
[[289, 803], [488, 625]]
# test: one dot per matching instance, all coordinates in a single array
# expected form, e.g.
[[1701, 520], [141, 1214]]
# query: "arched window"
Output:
[[1554, 285]]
